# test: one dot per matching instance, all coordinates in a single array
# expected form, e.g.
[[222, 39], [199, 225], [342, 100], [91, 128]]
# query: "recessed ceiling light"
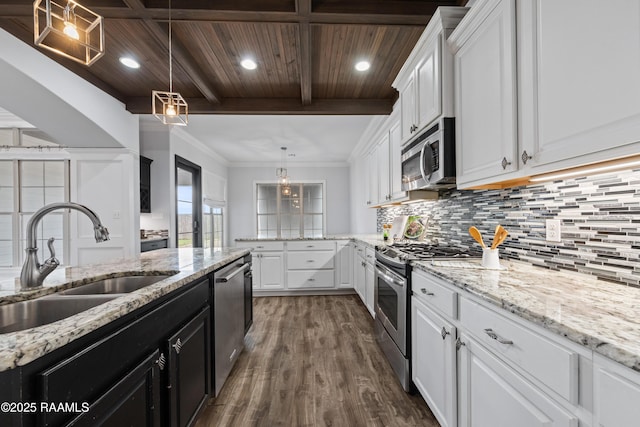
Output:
[[129, 62], [363, 66], [249, 64]]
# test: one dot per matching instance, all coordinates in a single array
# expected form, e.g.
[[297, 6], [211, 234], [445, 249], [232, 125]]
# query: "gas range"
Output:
[[416, 251]]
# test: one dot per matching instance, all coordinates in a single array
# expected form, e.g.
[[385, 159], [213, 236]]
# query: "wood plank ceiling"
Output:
[[305, 49]]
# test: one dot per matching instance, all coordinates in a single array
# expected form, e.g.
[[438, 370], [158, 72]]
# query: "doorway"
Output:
[[188, 204]]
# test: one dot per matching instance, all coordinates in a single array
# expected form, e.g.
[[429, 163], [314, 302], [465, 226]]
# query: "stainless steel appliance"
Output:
[[392, 296], [429, 161], [228, 318]]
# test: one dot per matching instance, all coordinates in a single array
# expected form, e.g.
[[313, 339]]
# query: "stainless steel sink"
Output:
[[41, 311], [117, 285]]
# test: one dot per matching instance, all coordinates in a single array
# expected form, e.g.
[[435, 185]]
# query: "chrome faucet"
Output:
[[33, 273]]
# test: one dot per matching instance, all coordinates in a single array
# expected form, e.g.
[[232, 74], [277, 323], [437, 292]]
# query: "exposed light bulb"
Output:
[[71, 31], [170, 111]]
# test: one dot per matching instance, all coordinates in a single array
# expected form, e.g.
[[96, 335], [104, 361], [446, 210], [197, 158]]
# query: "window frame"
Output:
[[279, 213]]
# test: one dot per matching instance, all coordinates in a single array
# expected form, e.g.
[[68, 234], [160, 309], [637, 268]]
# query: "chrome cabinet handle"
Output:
[[424, 291], [310, 246], [309, 260], [161, 362], [259, 247], [444, 333], [312, 280], [505, 163], [525, 157], [459, 343], [495, 336], [177, 346]]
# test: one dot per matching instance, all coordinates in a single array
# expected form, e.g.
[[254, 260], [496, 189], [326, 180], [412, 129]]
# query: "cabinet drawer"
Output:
[[429, 291], [312, 245], [548, 362], [258, 246], [310, 279], [310, 260]]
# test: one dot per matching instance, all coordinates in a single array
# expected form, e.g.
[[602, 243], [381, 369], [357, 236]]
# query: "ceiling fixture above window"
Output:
[[363, 66], [170, 107], [68, 29], [281, 173]]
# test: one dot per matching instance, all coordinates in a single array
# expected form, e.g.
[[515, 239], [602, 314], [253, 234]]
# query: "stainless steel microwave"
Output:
[[429, 161]]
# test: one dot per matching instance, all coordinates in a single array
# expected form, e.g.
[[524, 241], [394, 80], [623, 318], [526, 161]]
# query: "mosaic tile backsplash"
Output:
[[600, 220]]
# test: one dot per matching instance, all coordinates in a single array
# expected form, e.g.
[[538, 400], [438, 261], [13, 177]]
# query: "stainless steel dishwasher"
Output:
[[228, 317]]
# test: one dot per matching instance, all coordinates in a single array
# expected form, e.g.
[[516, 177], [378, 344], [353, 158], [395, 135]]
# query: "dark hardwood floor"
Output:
[[313, 361]]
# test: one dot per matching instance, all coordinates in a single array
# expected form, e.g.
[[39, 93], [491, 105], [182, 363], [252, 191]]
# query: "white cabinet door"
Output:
[[359, 268], [433, 361], [372, 177], [395, 162], [429, 105], [408, 109], [616, 394], [270, 270], [384, 193], [485, 93], [344, 266], [492, 394], [580, 77], [369, 288]]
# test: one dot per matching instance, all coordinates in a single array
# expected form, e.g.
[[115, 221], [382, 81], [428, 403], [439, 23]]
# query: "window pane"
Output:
[[185, 240], [32, 174], [52, 226], [54, 174], [53, 195], [6, 253], [6, 174], [6, 199], [6, 227], [32, 199]]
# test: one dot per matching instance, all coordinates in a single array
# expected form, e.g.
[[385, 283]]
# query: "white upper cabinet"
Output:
[[395, 161], [384, 191], [425, 80], [485, 92], [544, 85], [580, 74]]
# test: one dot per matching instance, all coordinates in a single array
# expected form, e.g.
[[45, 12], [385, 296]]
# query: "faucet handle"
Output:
[[52, 251]]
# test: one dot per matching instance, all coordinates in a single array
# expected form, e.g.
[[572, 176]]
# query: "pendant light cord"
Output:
[[170, 54]]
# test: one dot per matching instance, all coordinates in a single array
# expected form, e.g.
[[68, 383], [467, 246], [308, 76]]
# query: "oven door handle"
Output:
[[388, 278], [389, 260]]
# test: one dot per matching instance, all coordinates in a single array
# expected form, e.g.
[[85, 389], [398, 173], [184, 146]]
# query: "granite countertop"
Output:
[[369, 239], [185, 265], [602, 316], [153, 239]]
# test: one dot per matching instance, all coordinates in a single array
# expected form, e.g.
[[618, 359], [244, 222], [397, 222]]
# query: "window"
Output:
[[300, 213], [212, 227], [25, 187]]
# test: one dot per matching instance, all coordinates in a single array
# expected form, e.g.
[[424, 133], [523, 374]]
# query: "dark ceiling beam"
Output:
[[217, 16], [183, 59], [140, 105], [80, 70], [303, 8]]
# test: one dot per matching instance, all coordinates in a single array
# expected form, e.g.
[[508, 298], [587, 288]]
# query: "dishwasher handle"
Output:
[[226, 279]]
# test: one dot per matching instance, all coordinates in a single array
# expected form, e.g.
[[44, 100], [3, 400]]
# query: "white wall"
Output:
[[242, 219], [155, 144], [53, 99]]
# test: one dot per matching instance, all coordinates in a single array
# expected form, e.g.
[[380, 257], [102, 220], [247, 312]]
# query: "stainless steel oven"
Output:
[[429, 160], [391, 326]]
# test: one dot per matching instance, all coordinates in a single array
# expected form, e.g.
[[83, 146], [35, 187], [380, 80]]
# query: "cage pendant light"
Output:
[[68, 29], [170, 107]]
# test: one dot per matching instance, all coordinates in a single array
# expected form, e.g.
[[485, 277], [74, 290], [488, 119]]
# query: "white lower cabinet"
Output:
[[491, 393], [268, 270], [344, 265], [359, 271], [616, 394], [434, 361], [363, 275], [369, 287]]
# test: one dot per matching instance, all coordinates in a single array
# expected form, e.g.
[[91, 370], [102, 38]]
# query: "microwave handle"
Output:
[[424, 175]]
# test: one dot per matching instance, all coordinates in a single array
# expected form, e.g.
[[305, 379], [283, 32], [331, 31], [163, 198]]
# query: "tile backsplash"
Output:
[[600, 219]]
